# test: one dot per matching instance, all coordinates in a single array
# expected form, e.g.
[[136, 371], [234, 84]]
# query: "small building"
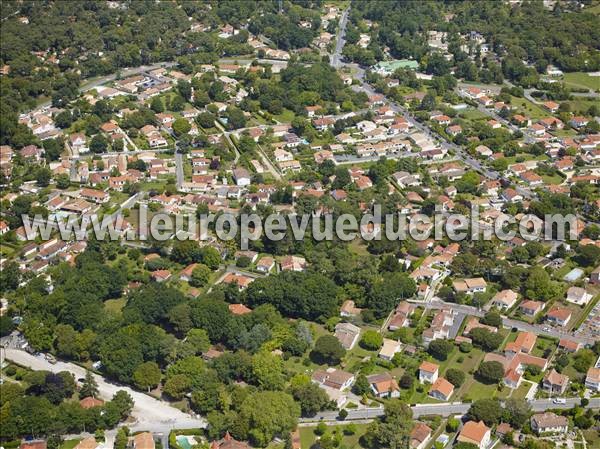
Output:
[[420, 436], [143, 440], [531, 308], [333, 378], [578, 295], [389, 349], [592, 379], [441, 389], [559, 315], [504, 299], [549, 423], [554, 382], [347, 334], [476, 433], [428, 372], [384, 385]]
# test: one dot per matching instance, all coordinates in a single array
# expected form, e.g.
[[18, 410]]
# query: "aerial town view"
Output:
[[300, 224]]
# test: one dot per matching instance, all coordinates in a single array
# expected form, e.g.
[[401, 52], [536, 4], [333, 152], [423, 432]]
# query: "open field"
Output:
[[581, 79], [308, 437]]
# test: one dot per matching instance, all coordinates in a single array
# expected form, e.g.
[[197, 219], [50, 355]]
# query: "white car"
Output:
[[559, 400]]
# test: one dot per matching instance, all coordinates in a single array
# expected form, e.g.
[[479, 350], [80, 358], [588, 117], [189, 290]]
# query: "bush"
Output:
[[455, 376], [321, 429], [490, 372], [440, 349], [465, 347], [371, 340]]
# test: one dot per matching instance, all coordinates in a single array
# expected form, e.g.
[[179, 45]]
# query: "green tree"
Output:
[[198, 339], [89, 386], [486, 410], [267, 370], [98, 144], [490, 372], [361, 385], [371, 340], [157, 105], [200, 276], [311, 398], [328, 350], [440, 349], [147, 375], [181, 126], [277, 415], [455, 376]]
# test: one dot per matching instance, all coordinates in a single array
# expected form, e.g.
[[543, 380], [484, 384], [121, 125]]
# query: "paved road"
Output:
[[150, 413], [336, 58], [442, 409], [508, 322], [179, 169], [445, 144]]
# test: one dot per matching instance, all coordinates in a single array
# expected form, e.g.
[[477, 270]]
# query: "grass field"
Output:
[[115, 305], [529, 109], [308, 437], [581, 79], [69, 444]]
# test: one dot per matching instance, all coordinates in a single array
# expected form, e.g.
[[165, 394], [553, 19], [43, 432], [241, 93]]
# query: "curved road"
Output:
[[150, 413]]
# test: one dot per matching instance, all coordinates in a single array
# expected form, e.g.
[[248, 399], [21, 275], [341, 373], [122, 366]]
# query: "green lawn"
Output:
[[308, 437], [115, 305], [581, 79], [285, 117], [473, 114], [529, 109], [592, 437], [69, 444]]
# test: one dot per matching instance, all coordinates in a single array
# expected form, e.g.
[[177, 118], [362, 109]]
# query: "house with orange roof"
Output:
[[90, 402], [525, 342], [384, 385], [239, 309], [476, 433], [420, 436], [568, 345], [441, 389], [428, 372], [559, 315]]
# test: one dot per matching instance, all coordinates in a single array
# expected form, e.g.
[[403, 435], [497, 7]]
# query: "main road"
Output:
[[336, 58], [150, 413], [442, 409], [508, 322]]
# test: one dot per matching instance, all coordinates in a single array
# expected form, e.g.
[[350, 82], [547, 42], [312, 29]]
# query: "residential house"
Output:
[[531, 308], [241, 177], [441, 389], [525, 342], [568, 345], [554, 382], [504, 299], [265, 264], [87, 443], [428, 372], [333, 378], [384, 385], [239, 309], [476, 433], [470, 286], [143, 440], [293, 263], [389, 349], [559, 315], [349, 309], [578, 295], [347, 334], [420, 436], [592, 379], [549, 422]]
